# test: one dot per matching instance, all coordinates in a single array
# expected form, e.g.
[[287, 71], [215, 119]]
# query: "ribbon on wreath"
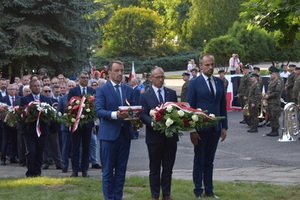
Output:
[[80, 109], [37, 126]]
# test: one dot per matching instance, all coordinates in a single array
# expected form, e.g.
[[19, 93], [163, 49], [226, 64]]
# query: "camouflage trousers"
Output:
[[289, 95], [274, 112], [253, 116]]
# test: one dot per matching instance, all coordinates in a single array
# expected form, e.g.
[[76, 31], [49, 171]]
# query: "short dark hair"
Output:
[[114, 61]]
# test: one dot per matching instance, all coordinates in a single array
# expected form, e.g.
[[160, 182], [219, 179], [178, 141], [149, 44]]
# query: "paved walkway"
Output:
[[272, 175]]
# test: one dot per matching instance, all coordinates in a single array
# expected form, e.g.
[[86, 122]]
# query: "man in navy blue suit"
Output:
[[83, 133], [9, 133], [114, 133], [34, 144], [207, 92], [161, 150]]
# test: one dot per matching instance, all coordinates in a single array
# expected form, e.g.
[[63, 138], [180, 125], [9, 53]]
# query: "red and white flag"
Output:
[[132, 74]]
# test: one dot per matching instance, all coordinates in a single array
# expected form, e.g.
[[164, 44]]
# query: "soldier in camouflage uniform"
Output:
[[147, 83], [290, 83], [243, 90], [254, 98], [222, 76], [256, 70], [273, 99], [296, 88], [186, 78]]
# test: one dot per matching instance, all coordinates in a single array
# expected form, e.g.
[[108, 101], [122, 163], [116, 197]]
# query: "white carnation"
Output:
[[83, 105], [199, 109], [88, 110], [212, 115], [77, 102], [69, 107], [169, 122], [59, 114], [152, 112], [195, 118], [180, 113], [73, 120], [169, 108], [82, 116]]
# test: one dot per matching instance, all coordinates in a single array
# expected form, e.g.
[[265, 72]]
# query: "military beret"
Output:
[[255, 75], [273, 69], [292, 65], [256, 68], [221, 71], [185, 74]]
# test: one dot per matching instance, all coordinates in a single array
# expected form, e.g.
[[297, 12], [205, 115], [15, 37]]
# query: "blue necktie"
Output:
[[83, 91], [118, 94], [161, 101]]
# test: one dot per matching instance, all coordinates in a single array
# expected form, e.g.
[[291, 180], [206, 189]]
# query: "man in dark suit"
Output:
[[9, 134], [134, 84], [114, 133], [161, 150], [207, 92], [34, 144], [83, 133]]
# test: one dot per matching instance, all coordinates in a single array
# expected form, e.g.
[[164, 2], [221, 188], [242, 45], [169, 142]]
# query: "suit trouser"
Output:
[[34, 153], [9, 136], [66, 147], [114, 156], [162, 156], [81, 136], [204, 155], [53, 143]]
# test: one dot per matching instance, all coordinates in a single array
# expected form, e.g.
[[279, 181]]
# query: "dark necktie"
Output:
[[212, 92], [118, 94], [161, 101], [13, 101], [83, 91]]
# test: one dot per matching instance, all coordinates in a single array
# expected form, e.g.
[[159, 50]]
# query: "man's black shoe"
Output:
[[58, 167], [85, 174], [96, 166], [3, 162], [13, 160], [74, 174], [212, 195], [46, 166], [254, 130], [273, 134], [242, 122], [64, 170]]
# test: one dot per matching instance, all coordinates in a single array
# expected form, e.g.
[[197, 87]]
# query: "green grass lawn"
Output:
[[136, 188]]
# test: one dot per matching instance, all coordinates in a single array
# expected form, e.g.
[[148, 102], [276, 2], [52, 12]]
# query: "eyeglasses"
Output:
[[84, 77], [159, 77], [94, 85], [47, 91]]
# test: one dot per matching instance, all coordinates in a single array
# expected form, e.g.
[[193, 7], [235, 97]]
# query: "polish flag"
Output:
[[132, 74]]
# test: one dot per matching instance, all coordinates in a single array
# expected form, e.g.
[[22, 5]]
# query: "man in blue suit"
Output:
[[9, 133], [207, 92], [114, 133], [34, 144], [161, 150], [83, 133]]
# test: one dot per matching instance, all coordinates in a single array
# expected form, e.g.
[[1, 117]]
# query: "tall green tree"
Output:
[[209, 19], [132, 31], [52, 33], [283, 15]]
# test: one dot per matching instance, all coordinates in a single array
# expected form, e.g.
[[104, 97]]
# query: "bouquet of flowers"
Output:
[[173, 118], [3, 110], [79, 111], [14, 115], [36, 111]]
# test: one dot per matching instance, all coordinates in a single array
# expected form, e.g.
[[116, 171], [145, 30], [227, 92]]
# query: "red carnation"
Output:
[[186, 122], [158, 117]]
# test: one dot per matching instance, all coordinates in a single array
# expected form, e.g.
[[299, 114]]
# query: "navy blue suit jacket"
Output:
[[7, 101], [75, 91], [62, 103], [106, 103], [199, 96], [148, 102], [29, 128]]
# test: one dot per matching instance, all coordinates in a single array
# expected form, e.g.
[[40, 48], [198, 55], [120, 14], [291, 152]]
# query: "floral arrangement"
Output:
[[39, 111], [79, 111], [14, 115], [3, 110], [173, 118]]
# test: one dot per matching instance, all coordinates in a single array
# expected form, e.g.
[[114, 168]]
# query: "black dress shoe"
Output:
[[3, 162], [96, 166], [74, 174], [46, 166], [64, 170], [273, 134], [85, 174], [254, 130], [13, 160], [242, 122], [212, 195], [198, 196], [58, 167]]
